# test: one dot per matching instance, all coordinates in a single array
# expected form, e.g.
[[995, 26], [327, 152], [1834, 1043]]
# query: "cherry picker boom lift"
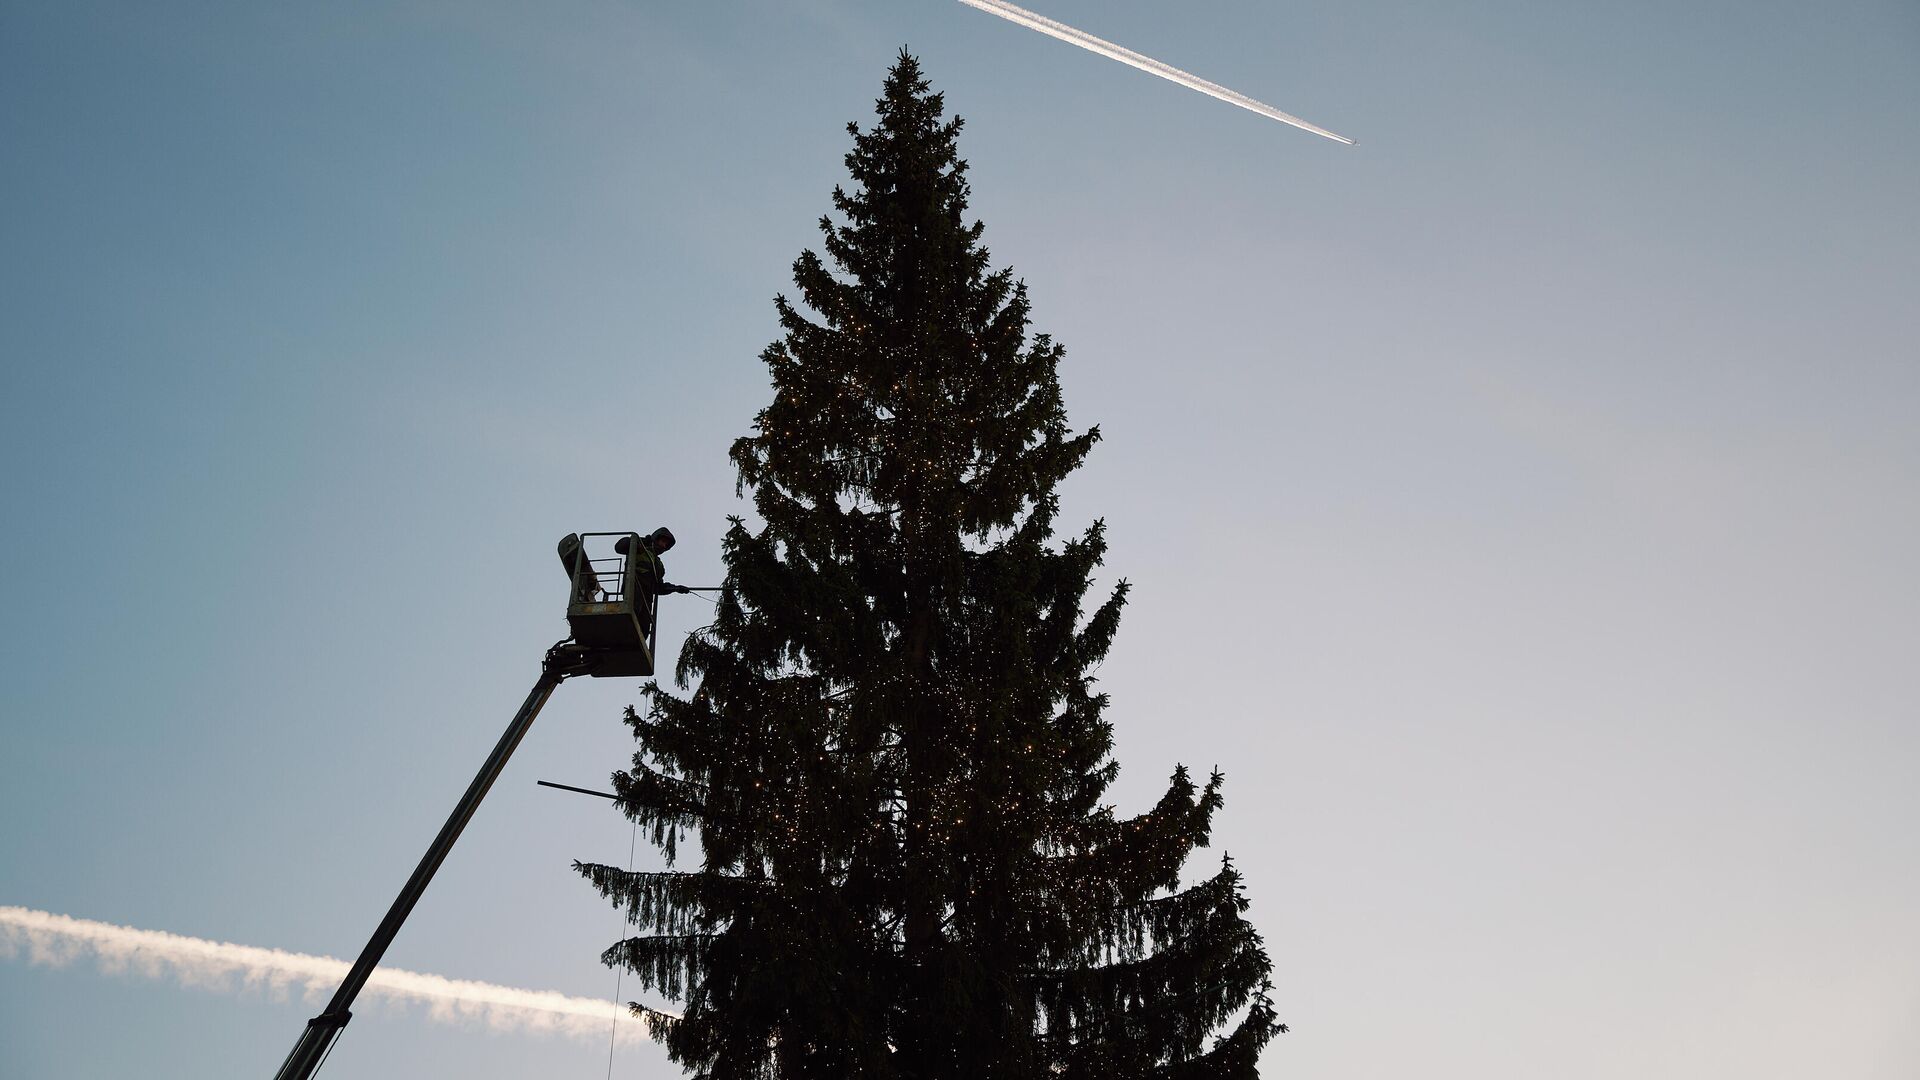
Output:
[[612, 611]]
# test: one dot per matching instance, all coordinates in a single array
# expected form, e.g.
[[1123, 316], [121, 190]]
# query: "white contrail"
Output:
[[1035, 21], [58, 940]]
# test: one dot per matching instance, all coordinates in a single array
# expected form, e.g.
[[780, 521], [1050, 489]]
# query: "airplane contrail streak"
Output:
[[1034, 21], [58, 940]]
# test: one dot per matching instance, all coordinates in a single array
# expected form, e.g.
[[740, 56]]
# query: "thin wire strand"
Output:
[[620, 970]]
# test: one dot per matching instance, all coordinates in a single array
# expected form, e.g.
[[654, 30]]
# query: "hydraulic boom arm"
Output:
[[563, 660]]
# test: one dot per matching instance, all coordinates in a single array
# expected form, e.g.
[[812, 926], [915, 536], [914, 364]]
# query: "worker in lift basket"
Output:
[[652, 574], [651, 570]]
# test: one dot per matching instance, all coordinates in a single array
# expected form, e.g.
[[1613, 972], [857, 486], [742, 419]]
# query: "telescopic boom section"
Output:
[[322, 1030]]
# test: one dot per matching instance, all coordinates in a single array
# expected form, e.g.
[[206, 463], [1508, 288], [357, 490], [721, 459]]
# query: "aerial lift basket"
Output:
[[613, 607]]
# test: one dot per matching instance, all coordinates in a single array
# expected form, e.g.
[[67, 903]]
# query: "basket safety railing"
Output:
[[601, 579]]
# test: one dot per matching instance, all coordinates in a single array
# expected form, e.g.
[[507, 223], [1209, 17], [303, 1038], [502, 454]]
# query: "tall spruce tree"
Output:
[[894, 756]]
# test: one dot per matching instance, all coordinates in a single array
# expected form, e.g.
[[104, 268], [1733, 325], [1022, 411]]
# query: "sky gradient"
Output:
[[1521, 505]]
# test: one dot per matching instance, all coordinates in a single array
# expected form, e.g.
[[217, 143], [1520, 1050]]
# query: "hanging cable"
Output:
[[620, 970]]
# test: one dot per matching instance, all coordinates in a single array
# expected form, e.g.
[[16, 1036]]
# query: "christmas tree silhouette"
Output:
[[894, 756]]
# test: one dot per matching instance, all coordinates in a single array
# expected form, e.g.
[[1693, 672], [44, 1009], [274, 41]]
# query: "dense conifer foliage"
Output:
[[893, 757]]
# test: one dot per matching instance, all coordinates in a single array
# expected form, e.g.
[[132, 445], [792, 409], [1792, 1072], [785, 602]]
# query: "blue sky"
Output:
[[1520, 504]]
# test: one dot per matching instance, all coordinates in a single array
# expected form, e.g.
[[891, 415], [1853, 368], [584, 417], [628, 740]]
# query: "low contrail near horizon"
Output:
[[1034, 21], [59, 940]]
